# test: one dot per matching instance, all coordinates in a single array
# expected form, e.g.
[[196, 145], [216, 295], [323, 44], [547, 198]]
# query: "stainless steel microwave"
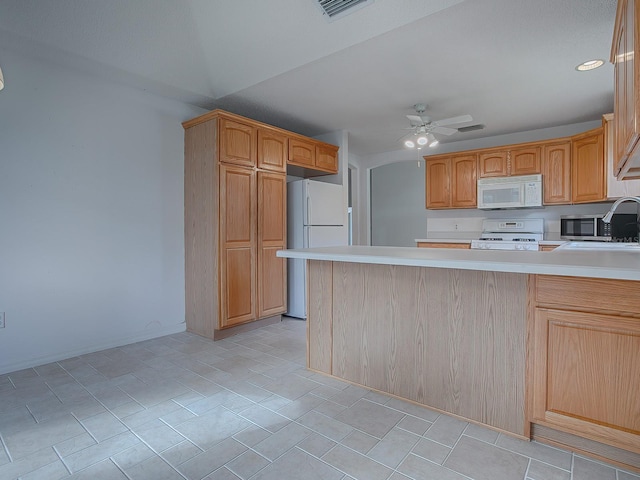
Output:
[[623, 228]]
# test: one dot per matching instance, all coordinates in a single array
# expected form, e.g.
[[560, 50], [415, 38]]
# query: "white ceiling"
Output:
[[508, 63]]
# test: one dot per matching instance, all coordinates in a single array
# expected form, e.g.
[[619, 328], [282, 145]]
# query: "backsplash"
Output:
[[470, 221]]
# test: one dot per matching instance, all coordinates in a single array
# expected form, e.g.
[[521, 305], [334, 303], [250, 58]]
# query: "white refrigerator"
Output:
[[315, 218]]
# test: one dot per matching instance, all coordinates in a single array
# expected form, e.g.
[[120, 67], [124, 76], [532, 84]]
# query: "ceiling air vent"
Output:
[[334, 9]]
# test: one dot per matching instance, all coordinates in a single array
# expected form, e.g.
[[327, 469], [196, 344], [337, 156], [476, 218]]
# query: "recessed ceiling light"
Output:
[[590, 65]]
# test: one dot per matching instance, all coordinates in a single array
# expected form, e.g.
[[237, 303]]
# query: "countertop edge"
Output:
[[573, 264]]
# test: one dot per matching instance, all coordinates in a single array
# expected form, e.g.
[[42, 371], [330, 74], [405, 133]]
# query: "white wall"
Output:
[[91, 213]]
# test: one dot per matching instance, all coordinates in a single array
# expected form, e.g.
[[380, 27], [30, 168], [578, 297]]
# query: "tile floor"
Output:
[[181, 407]]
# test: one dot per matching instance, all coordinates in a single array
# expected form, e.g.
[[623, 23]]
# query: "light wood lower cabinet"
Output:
[[444, 245], [586, 369]]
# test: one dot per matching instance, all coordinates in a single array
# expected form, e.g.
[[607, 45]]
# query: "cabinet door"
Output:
[[327, 158], [237, 143], [237, 245], [587, 376], [272, 150], [437, 181], [587, 168], [615, 188], [626, 95], [524, 161], [302, 153], [464, 184], [556, 173], [492, 164], [272, 234]]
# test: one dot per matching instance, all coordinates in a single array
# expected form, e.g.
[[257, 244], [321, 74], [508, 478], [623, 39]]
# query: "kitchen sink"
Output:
[[612, 246]]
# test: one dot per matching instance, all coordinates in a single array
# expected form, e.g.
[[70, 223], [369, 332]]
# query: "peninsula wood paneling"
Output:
[[319, 315], [201, 237], [443, 338]]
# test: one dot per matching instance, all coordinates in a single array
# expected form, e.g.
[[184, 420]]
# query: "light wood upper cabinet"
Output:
[[237, 143], [327, 157], [272, 235], [615, 188], [312, 154], [237, 241], [438, 181], [464, 183], [524, 161], [626, 105], [493, 164], [272, 150], [508, 162], [451, 181], [588, 167], [556, 173], [302, 153]]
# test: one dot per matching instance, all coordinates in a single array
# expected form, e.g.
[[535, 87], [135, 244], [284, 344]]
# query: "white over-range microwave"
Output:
[[510, 192]]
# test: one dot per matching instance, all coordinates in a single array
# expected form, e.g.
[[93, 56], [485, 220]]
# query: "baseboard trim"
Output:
[[120, 342], [622, 458], [245, 327]]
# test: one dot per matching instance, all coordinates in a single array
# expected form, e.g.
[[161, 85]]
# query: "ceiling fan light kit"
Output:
[[424, 128]]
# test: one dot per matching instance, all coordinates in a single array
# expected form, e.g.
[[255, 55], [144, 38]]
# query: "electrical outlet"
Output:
[[1, 319]]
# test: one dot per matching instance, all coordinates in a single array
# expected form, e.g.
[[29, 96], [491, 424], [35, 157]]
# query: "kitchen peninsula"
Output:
[[536, 344]]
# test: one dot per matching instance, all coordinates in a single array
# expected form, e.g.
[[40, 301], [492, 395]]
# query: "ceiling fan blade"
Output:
[[415, 119], [453, 120], [444, 130], [471, 128]]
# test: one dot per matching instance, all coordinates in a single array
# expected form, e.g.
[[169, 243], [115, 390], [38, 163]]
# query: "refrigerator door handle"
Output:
[[308, 204], [305, 240]]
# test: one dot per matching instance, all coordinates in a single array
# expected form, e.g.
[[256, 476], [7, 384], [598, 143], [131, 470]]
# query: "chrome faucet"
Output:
[[607, 217]]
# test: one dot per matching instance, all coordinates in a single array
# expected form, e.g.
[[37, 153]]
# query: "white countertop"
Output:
[[601, 264]]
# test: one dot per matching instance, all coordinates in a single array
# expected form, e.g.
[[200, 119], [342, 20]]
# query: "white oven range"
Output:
[[510, 234]]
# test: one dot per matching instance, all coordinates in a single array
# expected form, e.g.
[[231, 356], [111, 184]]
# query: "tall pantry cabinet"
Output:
[[235, 221]]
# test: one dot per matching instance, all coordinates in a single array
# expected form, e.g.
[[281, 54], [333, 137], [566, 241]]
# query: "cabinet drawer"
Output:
[[443, 245], [574, 293]]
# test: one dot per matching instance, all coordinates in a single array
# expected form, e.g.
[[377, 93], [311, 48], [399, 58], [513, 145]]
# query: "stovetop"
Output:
[[517, 234]]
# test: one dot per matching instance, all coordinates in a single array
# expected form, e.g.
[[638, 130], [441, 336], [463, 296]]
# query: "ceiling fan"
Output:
[[424, 129]]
